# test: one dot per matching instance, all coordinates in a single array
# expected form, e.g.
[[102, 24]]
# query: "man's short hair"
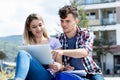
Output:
[[68, 9]]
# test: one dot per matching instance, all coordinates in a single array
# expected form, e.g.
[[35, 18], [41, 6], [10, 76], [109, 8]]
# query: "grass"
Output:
[[6, 76]]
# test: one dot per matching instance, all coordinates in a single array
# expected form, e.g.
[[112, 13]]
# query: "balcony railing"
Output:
[[104, 21], [96, 2], [94, 22], [108, 21]]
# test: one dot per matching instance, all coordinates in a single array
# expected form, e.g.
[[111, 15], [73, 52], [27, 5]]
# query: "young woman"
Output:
[[27, 67]]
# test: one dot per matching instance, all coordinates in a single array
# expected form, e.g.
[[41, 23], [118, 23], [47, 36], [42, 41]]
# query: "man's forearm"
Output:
[[75, 53]]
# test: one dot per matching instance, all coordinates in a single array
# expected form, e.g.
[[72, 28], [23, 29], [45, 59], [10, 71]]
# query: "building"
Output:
[[104, 16]]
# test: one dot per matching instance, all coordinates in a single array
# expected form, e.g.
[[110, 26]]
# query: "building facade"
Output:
[[104, 16]]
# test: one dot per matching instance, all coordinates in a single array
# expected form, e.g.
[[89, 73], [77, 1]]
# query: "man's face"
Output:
[[68, 23]]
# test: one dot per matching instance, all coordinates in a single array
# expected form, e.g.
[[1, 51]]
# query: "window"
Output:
[[117, 63], [111, 16], [89, 1], [91, 15]]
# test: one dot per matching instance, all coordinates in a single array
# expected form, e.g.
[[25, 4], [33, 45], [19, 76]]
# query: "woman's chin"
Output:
[[38, 36]]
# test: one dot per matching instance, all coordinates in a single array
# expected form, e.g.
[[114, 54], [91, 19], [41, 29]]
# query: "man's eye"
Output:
[[61, 20], [67, 21]]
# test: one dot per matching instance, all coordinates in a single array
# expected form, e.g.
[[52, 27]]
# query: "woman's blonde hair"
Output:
[[27, 35]]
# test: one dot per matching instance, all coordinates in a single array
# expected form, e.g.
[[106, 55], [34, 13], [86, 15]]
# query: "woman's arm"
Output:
[[57, 64]]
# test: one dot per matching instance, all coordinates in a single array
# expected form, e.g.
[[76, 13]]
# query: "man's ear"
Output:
[[77, 20]]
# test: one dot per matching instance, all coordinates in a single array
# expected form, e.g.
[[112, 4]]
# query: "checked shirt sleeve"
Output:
[[89, 38]]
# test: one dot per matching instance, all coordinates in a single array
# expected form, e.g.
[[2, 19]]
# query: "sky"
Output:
[[13, 14]]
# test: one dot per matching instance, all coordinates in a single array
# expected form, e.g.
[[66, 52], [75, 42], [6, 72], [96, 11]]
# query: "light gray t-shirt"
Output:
[[54, 43]]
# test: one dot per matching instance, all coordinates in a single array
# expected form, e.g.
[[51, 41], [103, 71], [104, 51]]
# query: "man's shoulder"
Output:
[[86, 32], [61, 34], [83, 29]]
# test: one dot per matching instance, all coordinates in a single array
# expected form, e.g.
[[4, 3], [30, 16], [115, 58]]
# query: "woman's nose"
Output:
[[38, 27]]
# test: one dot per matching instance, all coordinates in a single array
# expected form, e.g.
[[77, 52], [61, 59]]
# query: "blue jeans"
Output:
[[67, 76], [71, 76], [94, 77], [28, 68]]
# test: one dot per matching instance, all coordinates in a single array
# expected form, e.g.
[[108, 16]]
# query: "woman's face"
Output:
[[36, 27]]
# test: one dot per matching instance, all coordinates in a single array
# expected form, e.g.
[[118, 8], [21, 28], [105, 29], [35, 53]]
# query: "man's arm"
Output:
[[80, 52], [75, 53]]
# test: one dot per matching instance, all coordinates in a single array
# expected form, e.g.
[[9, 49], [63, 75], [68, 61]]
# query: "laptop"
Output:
[[41, 52]]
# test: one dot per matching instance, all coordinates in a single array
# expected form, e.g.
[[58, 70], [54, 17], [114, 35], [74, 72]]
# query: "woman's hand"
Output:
[[55, 66]]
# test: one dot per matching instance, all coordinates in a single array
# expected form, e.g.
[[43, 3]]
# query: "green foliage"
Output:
[[83, 22], [74, 3], [102, 45], [2, 55]]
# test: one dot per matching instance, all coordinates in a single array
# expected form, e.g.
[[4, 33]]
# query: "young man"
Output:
[[77, 44]]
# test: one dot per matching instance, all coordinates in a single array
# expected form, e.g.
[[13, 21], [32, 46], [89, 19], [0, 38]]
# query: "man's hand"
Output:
[[57, 52], [68, 68]]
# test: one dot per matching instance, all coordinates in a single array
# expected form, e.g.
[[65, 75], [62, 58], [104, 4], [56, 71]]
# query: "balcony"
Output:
[[88, 2], [94, 22], [107, 36], [105, 21], [108, 21]]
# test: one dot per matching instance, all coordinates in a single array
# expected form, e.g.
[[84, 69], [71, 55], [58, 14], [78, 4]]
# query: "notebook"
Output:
[[77, 72], [41, 52]]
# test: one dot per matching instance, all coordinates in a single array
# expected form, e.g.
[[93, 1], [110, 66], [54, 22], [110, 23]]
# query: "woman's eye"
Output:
[[33, 26], [40, 25]]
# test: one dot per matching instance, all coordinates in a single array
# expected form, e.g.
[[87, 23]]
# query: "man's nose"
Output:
[[63, 23]]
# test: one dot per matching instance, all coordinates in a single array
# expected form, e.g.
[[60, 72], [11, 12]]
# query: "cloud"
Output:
[[14, 12]]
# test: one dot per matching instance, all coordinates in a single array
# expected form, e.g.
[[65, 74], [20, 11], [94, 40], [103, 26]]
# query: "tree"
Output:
[[83, 22], [102, 46], [2, 55]]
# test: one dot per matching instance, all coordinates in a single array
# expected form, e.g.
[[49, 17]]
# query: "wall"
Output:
[[118, 15], [109, 62], [118, 35]]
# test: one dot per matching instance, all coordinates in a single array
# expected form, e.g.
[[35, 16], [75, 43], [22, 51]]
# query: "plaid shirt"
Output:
[[84, 39]]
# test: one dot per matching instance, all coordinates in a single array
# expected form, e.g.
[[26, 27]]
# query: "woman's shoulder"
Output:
[[53, 39], [54, 43]]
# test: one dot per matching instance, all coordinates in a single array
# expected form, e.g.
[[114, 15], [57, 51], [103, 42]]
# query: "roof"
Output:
[[113, 48]]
